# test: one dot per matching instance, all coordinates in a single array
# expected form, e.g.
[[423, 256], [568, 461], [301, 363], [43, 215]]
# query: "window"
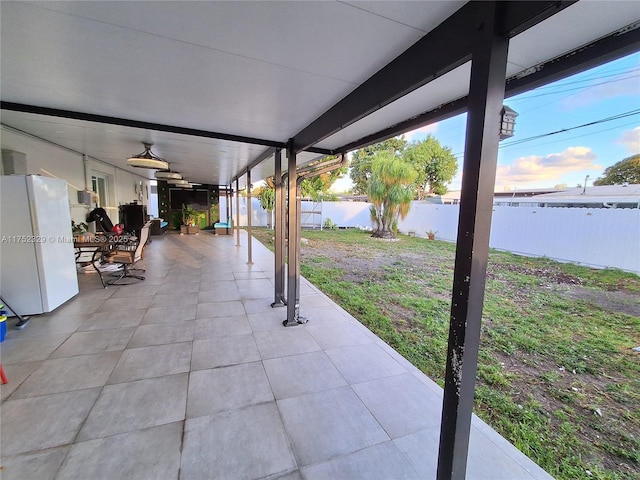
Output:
[[99, 186]]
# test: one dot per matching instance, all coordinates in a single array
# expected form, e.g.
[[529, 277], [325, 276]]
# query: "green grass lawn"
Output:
[[557, 374]]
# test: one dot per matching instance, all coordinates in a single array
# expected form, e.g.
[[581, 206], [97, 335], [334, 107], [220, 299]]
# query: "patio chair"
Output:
[[127, 255]]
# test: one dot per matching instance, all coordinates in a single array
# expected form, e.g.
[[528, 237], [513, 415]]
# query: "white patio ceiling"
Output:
[[264, 70]]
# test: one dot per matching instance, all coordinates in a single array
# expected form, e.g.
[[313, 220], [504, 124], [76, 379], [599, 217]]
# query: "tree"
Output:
[[317, 188], [625, 171], [436, 166], [360, 166], [389, 191], [267, 197]]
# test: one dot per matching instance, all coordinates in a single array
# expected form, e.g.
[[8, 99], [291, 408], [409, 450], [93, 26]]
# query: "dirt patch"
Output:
[[616, 301]]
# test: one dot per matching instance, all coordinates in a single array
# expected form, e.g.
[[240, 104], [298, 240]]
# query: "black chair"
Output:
[[127, 255]]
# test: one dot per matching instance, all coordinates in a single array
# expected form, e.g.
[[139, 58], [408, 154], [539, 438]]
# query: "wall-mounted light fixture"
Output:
[[507, 122]]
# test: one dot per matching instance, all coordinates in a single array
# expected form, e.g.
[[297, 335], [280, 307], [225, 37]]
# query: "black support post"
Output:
[[279, 232], [250, 238], [229, 198], [486, 94], [293, 247], [237, 212]]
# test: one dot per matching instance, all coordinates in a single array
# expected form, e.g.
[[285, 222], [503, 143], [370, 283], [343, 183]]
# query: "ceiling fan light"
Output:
[[147, 159], [168, 175], [178, 182]]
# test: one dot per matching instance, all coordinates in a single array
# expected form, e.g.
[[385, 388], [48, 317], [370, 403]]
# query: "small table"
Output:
[[100, 246]]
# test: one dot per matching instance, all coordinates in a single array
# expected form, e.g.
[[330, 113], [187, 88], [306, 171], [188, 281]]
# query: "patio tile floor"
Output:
[[191, 375]]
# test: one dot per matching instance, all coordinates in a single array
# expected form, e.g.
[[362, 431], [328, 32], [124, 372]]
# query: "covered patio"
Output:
[[189, 374]]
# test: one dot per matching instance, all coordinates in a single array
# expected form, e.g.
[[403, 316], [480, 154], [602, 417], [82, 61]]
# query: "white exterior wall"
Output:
[[49, 160]]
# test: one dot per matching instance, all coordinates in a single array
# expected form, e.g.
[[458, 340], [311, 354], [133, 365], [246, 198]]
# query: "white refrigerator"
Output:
[[37, 258]]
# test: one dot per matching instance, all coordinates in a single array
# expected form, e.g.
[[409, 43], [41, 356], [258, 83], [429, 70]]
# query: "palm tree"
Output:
[[390, 192]]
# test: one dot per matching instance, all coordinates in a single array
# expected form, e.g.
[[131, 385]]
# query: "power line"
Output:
[[564, 130]]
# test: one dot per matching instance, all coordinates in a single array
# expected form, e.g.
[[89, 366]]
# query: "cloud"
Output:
[[631, 140], [535, 170], [622, 85], [421, 133]]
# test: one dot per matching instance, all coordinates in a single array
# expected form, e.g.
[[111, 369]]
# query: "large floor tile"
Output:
[[67, 374], [111, 319], [361, 363], [221, 292], [221, 327], [285, 341], [175, 300], [169, 314], [301, 374], [136, 290], [328, 424], [43, 422], [97, 341], [401, 404], [219, 389], [223, 351], [220, 309], [16, 374], [161, 334], [126, 303], [19, 350], [487, 459], [125, 407], [345, 334], [260, 305], [149, 454], [421, 450], [254, 288], [50, 325], [41, 465], [248, 443], [270, 320], [152, 361], [380, 462]]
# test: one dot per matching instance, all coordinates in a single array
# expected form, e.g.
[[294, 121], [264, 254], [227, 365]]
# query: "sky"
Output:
[[608, 95]]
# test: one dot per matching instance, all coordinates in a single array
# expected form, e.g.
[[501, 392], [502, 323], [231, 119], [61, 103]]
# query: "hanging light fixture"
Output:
[[147, 159], [168, 175], [177, 182]]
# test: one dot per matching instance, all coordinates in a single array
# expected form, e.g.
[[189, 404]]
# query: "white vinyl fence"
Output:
[[596, 237]]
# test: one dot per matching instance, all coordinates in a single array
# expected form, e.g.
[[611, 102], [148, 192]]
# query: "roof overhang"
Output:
[[214, 99]]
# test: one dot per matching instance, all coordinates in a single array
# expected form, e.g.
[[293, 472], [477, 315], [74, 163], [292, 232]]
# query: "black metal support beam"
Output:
[[604, 50], [488, 70], [279, 230], [249, 232], [89, 117], [237, 225], [293, 247], [446, 47]]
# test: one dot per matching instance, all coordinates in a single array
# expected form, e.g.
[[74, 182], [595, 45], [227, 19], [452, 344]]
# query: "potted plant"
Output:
[[190, 218], [431, 235]]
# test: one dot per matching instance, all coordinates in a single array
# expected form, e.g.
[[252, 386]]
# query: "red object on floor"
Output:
[[2, 375]]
